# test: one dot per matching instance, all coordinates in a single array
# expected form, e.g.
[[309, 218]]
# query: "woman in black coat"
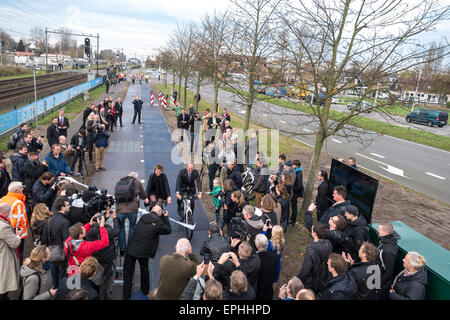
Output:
[[283, 200], [158, 186], [410, 284]]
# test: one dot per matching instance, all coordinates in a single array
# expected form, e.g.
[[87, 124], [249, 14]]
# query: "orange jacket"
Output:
[[18, 217]]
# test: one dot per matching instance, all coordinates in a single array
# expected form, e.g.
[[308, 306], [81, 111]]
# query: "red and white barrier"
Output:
[[152, 98], [164, 103]]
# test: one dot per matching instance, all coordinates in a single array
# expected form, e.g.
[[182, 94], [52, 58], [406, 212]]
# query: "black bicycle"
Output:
[[248, 182], [188, 215]]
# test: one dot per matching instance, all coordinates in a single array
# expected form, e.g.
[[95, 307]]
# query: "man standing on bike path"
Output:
[[186, 179]]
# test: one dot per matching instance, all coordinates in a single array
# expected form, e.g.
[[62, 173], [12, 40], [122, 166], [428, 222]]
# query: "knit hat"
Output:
[[288, 163]]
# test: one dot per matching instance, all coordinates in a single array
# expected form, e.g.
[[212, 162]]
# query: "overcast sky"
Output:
[[140, 27]]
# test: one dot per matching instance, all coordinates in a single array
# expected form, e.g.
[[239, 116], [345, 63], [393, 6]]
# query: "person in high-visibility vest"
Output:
[[18, 217]]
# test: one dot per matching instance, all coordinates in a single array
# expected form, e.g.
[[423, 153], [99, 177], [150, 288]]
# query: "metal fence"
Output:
[[14, 118]]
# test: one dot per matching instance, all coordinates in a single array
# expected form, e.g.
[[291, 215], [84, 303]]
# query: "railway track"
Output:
[[17, 91]]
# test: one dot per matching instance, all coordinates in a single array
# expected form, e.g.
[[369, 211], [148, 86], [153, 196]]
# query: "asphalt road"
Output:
[[421, 168], [138, 147]]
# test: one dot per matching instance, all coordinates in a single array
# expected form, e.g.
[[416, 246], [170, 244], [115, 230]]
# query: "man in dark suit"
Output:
[[137, 109], [183, 122], [63, 124], [321, 198], [53, 132], [118, 108], [186, 179]]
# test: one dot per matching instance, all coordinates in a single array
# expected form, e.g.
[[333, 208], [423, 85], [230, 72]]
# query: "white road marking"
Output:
[[434, 175], [335, 140], [306, 130], [309, 145], [241, 111], [265, 115], [390, 169], [283, 121], [360, 166], [377, 155]]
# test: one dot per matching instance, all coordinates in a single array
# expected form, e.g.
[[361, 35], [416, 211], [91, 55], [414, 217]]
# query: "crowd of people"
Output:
[[75, 247]]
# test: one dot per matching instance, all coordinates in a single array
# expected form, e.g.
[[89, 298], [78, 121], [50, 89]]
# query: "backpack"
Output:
[[13, 141], [124, 190]]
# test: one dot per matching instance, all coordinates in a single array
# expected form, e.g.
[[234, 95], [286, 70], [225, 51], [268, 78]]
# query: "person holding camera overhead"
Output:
[[142, 247], [77, 248]]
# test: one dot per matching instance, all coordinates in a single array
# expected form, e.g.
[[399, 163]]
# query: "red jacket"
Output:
[[82, 249]]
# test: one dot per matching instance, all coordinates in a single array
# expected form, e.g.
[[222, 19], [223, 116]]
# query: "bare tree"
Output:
[[338, 42], [215, 29], [247, 46]]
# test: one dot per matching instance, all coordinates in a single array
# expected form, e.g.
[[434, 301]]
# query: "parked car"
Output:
[[429, 117], [312, 98], [334, 100], [274, 92], [364, 106]]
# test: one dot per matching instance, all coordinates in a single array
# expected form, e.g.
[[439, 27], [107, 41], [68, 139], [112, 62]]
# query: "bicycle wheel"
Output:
[[189, 220]]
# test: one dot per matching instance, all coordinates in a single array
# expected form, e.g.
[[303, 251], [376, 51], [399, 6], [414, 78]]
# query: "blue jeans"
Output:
[[132, 217], [217, 215], [212, 174], [194, 139]]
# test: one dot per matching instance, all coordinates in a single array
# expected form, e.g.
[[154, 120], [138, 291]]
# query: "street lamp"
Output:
[[33, 47]]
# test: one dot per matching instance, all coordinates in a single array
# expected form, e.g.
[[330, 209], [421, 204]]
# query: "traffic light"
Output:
[[87, 47]]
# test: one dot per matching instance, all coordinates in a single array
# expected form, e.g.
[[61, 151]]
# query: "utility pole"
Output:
[[46, 52], [97, 51]]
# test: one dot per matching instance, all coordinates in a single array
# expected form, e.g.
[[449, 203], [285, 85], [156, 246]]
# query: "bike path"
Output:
[[139, 147]]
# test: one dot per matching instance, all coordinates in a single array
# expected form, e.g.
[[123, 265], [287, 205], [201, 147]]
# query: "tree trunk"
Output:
[[307, 198], [179, 89], [198, 91], [185, 91], [216, 96], [173, 82]]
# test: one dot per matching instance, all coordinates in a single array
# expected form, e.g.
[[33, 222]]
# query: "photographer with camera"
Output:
[[77, 248], [142, 247], [57, 162], [78, 143], [101, 137], [105, 256], [233, 207], [127, 193], [44, 189]]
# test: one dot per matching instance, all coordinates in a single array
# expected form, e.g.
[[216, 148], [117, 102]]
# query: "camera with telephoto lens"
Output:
[[154, 203], [100, 201], [97, 128], [239, 228]]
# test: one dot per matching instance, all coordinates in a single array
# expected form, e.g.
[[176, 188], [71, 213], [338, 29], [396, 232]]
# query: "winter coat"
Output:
[[43, 194], [101, 139], [298, 183], [387, 258], [175, 272], [340, 288], [106, 255], [235, 175], [137, 104], [215, 193], [36, 284], [132, 206], [5, 180], [314, 272], [271, 247], [17, 162], [38, 228], [260, 181], [81, 249], [57, 165], [205, 120], [334, 210], [285, 206], [215, 246], [194, 289], [92, 289], [145, 239], [410, 287], [254, 226], [152, 189], [18, 217], [59, 230], [358, 232], [336, 237], [321, 198], [32, 170], [75, 141], [266, 275], [360, 274], [9, 259]]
